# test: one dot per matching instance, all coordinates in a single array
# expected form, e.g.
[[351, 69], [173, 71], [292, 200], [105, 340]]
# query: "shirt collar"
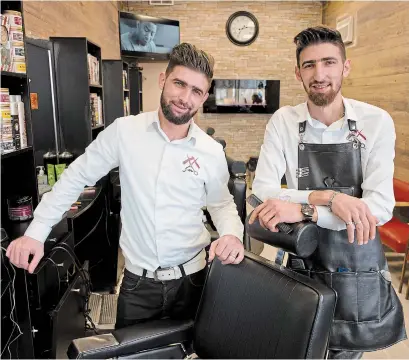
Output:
[[154, 124], [349, 113]]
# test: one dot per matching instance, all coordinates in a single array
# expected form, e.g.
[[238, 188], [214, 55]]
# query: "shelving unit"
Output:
[[13, 75], [15, 153], [76, 109], [125, 81], [116, 94], [135, 90], [18, 176]]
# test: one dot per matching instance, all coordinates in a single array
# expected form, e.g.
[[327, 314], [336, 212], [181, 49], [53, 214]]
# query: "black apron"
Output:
[[368, 314]]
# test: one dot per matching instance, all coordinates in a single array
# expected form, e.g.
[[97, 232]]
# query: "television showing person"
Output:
[[140, 38]]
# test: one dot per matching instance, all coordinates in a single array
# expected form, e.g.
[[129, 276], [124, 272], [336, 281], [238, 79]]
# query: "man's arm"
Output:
[[223, 211], [220, 203], [271, 168], [377, 185], [99, 157], [376, 204]]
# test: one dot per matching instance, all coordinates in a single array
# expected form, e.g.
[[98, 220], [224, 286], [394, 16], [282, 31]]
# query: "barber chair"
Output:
[[256, 309]]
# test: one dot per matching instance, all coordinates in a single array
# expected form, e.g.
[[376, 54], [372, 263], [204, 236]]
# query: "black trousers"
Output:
[[141, 298]]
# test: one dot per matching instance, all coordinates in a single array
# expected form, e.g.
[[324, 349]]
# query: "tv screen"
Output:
[[243, 96], [146, 36]]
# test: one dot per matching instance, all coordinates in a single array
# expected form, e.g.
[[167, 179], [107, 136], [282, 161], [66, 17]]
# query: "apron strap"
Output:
[[301, 127], [301, 131], [352, 125]]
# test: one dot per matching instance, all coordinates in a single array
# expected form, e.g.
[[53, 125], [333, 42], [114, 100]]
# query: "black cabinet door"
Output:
[[71, 80], [43, 116], [113, 90], [135, 91]]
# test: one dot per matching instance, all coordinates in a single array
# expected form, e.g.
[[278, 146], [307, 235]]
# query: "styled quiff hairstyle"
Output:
[[318, 35], [193, 58]]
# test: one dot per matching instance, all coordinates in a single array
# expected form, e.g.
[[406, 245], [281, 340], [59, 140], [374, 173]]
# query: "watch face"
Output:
[[307, 210], [242, 28]]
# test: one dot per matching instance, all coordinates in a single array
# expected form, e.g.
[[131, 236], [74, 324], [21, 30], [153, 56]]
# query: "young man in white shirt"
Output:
[[337, 155], [169, 170]]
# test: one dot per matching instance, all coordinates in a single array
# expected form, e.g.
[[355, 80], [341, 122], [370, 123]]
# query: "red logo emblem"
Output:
[[191, 163]]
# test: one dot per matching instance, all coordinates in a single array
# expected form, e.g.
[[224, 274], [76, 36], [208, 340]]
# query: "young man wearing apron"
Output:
[[337, 155]]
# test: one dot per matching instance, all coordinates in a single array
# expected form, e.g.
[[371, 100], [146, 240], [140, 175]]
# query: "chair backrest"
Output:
[[401, 190], [260, 311], [237, 185]]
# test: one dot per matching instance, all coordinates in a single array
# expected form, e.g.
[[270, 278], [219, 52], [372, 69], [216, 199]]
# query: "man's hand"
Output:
[[356, 214], [229, 249], [274, 211], [20, 249]]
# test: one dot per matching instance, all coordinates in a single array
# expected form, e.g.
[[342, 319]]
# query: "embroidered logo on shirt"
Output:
[[190, 164], [360, 134], [358, 137]]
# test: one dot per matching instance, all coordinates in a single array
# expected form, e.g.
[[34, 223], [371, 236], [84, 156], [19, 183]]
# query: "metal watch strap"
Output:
[[334, 193]]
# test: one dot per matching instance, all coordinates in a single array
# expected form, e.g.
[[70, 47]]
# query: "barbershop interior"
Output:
[[184, 179]]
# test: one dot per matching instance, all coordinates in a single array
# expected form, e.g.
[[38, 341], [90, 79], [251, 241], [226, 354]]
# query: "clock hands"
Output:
[[244, 27]]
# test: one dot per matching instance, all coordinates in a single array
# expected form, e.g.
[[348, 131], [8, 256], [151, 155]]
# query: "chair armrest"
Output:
[[302, 241], [132, 339]]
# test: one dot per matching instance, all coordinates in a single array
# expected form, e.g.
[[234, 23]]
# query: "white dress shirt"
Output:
[[279, 156], [164, 185]]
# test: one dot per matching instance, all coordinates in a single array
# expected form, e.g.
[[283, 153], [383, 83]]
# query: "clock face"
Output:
[[242, 28]]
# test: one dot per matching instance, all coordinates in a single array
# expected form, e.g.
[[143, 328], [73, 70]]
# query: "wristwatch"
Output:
[[307, 211]]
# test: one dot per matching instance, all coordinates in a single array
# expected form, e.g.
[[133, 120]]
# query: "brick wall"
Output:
[[271, 56]]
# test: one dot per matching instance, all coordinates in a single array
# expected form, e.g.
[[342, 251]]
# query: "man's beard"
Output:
[[170, 116], [322, 99]]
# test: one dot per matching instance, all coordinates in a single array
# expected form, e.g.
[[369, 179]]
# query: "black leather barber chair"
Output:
[[256, 309]]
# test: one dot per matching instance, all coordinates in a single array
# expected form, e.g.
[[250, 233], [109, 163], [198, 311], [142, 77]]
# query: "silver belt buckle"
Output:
[[160, 273]]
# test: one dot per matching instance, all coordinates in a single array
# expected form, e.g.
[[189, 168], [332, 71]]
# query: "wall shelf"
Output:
[[16, 152]]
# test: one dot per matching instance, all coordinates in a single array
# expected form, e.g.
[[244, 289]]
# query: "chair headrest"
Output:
[[301, 241], [236, 168], [222, 142]]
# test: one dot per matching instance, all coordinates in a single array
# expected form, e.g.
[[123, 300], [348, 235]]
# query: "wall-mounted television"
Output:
[[147, 37], [243, 96]]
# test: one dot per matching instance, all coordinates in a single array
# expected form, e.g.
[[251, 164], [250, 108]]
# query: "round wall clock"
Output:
[[242, 28]]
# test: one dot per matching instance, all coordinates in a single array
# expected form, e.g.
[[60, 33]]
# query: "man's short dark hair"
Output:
[[191, 57], [318, 35]]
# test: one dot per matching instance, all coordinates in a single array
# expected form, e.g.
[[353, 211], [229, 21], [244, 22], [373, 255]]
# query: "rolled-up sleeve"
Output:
[[378, 175]]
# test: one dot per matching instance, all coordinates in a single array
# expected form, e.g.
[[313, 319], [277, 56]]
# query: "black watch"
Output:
[[307, 211]]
